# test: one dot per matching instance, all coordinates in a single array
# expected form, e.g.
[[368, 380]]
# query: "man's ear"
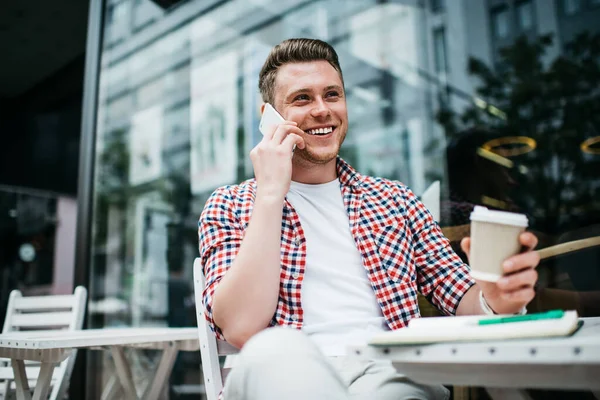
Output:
[[262, 108]]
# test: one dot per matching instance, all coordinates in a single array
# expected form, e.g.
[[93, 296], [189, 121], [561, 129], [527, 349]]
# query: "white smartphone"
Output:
[[269, 118]]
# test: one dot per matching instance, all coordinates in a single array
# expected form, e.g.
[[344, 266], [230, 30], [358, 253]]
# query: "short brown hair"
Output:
[[293, 51]]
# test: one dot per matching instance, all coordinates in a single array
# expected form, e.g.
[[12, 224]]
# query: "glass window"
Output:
[[437, 5], [117, 21], [571, 7], [144, 13], [439, 47], [525, 15], [179, 110], [500, 23], [116, 12]]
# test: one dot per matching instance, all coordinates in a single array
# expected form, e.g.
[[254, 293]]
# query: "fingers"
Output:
[[528, 240], [270, 133], [529, 259], [465, 245], [284, 130], [517, 281], [292, 140]]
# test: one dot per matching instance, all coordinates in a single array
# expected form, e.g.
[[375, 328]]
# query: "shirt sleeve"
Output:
[[442, 277], [220, 236]]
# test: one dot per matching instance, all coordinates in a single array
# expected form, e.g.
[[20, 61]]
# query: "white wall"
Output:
[[64, 245]]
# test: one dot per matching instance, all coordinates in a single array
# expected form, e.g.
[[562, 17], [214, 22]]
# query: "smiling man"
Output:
[[324, 256]]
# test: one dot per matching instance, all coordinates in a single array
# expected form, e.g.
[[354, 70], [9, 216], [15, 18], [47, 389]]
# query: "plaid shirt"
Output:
[[402, 248]]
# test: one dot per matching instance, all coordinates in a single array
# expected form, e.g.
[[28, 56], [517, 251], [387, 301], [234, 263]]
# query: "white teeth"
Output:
[[320, 131]]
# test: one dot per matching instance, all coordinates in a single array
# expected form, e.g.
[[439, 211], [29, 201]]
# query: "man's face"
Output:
[[312, 95]]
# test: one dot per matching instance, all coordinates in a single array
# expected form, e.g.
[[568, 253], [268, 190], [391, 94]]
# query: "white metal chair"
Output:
[[431, 199], [210, 347], [56, 312]]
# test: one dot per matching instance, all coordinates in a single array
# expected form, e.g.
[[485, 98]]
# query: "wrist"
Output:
[[269, 197], [488, 310]]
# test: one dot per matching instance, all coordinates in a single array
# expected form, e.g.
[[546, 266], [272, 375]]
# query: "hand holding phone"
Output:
[[272, 167], [269, 119]]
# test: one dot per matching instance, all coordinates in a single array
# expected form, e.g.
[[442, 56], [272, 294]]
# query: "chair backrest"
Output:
[[56, 312], [210, 347], [431, 199]]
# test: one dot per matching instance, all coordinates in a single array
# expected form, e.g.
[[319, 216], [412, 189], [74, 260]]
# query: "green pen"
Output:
[[553, 314]]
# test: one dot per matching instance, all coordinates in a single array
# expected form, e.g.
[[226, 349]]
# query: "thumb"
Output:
[[465, 245]]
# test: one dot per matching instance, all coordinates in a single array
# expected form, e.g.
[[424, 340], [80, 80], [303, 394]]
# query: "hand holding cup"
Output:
[[505, 273]]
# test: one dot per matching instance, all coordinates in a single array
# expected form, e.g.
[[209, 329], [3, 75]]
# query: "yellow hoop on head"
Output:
[[495, 145], [586, 145]]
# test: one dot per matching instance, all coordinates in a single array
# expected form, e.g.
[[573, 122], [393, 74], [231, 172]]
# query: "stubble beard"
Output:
[[306, 157]]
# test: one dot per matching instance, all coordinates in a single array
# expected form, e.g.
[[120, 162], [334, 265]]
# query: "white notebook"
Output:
[[453, 329]]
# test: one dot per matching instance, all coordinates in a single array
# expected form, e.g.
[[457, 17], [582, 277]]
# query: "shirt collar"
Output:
[[347, 175]]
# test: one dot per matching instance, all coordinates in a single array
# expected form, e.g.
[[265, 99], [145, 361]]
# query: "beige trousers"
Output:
[[283, 363]]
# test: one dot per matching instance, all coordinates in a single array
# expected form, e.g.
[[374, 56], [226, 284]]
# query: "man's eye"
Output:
[[301, 97], [333, 93]]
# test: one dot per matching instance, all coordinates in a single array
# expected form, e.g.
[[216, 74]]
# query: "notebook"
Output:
[[479, 328]]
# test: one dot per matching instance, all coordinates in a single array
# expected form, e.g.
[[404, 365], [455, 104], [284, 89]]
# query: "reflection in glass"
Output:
[[500, 22], [437, 5], [591, 145], [510, 146], [439, 43], [571, 7], [525, 15]]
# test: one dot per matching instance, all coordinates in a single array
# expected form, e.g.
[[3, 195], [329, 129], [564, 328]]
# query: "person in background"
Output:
[[324, 256]]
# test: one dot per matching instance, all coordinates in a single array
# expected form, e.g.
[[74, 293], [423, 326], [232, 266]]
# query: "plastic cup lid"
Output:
[[483, 214]]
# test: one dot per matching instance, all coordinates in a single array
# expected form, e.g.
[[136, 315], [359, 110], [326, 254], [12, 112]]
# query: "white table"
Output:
[[52, 347], [503, 367]]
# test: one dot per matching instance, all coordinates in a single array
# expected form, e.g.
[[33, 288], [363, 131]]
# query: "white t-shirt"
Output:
[[339, 304]]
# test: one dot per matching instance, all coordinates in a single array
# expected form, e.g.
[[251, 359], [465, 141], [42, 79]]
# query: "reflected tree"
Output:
[[112, 180], [554, 102]]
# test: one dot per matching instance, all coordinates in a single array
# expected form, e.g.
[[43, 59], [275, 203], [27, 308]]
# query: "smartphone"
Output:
[[269, 118]]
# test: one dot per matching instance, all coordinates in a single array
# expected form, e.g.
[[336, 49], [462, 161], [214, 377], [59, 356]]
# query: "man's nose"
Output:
[[320, 108]]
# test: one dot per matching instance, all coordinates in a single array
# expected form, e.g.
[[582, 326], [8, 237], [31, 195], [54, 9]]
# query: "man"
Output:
[[311, 244]]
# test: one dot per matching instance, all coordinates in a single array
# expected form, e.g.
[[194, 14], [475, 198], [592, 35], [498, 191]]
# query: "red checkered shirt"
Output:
[[402, 247]]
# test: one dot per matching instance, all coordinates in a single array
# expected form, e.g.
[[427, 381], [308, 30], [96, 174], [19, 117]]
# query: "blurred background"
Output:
[[120, 117]]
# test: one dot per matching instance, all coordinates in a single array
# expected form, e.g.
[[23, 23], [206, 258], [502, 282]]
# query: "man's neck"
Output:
[[314, 174]]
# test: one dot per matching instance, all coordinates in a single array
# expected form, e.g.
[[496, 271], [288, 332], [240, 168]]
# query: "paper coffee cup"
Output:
[[494, 238]]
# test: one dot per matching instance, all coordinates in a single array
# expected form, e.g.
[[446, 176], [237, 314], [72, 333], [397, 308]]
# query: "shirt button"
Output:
[[297, 242], [294, 318], [295, 275]]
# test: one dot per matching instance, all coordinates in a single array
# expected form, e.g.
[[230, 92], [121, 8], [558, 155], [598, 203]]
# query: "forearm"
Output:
[[469, 304], [246, 298]]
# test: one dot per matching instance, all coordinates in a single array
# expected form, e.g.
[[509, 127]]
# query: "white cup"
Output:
[[494, 238]]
